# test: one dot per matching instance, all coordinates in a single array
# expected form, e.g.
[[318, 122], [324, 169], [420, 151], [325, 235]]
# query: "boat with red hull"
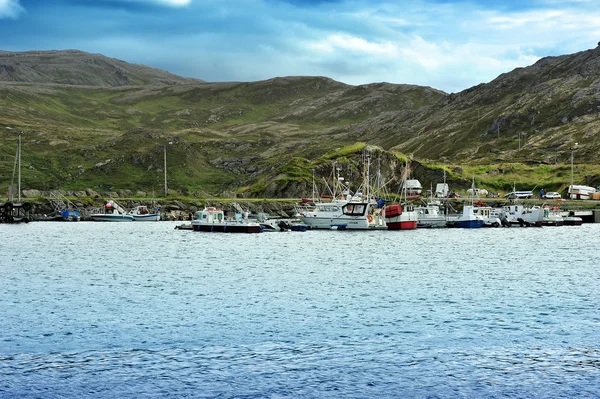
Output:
[[397, 218]]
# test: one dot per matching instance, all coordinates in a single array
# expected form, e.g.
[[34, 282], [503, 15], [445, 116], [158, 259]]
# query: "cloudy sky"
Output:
[[449, 45]]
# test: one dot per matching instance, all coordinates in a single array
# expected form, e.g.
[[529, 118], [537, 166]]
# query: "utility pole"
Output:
[[166, 188], [19, 160]]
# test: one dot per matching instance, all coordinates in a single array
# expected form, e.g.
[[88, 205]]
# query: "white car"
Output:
[[552, 195]]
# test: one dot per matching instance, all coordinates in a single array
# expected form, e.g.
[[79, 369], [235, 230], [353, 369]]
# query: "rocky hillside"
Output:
[[72, 67], [533, 114], [95, 122]]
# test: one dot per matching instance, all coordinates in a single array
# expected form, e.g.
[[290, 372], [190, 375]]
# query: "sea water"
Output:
[[121, 310]]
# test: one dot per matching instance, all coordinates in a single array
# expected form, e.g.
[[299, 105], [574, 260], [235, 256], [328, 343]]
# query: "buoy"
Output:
[[370, 218]]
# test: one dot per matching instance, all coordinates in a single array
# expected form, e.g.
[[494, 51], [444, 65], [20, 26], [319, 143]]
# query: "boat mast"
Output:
[[313, 186], [366, 175]]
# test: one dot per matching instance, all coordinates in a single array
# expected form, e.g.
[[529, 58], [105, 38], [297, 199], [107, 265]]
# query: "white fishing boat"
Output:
[[520, 215], [212, 219], [430, 215], [403, 216], [470, 217], [489, 215], [141, 213], [343, 210], [113, 212]]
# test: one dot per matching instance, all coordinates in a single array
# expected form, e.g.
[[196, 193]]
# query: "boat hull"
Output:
[[402, 225], [153, 217], [573, 221], [227, 228], [348, 223], [469, 224], [111, 218]]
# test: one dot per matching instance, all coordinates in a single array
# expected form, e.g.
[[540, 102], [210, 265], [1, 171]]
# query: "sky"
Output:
[[447, 45]]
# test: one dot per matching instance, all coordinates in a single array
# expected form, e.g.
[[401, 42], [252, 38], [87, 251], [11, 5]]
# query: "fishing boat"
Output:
[[430, 215], [489, 215], [520, 215], [113, 212], [343, 210], [212, 219], [470, 217], [141, 213], [403, 216]]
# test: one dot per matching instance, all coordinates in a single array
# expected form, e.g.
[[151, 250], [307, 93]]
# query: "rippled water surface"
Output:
[[140, 309]]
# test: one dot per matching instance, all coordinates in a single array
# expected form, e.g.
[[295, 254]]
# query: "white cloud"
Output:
[[174, 3], [352, 44], [10, 8], [168, 3]]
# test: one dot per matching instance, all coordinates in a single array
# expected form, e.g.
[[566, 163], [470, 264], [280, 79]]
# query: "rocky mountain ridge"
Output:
[[109, 126]]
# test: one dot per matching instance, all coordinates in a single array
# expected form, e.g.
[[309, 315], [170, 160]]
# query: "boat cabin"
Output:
[[355, 208], [210, 215]]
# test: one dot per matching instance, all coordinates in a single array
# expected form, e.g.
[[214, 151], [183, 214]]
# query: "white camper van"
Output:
[[441, 190]]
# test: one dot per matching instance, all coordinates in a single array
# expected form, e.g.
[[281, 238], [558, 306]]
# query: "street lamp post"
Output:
[[19, 157], [571, 187], [166, 188]]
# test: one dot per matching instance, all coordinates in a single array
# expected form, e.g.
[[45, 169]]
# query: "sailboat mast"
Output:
[[367, 177]]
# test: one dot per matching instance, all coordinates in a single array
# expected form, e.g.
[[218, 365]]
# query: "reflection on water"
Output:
[[129, 310]]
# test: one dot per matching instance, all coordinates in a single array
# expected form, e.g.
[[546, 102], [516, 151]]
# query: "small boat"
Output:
[[469, 219], [430, 215], [141, 214], [572, 220], [489, 215], [62, 215], [519, 215], [113, 212], [212, 219], [552, 217], [397, 218]]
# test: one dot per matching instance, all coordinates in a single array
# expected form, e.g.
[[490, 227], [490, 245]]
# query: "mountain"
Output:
[[72, 67], [101, 130], [533, 114]]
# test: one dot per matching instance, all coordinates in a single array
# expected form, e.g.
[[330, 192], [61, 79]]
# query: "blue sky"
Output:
[[448, 45]]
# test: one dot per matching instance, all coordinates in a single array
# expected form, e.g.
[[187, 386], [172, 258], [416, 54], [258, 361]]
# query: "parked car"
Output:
[[552, 195]]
